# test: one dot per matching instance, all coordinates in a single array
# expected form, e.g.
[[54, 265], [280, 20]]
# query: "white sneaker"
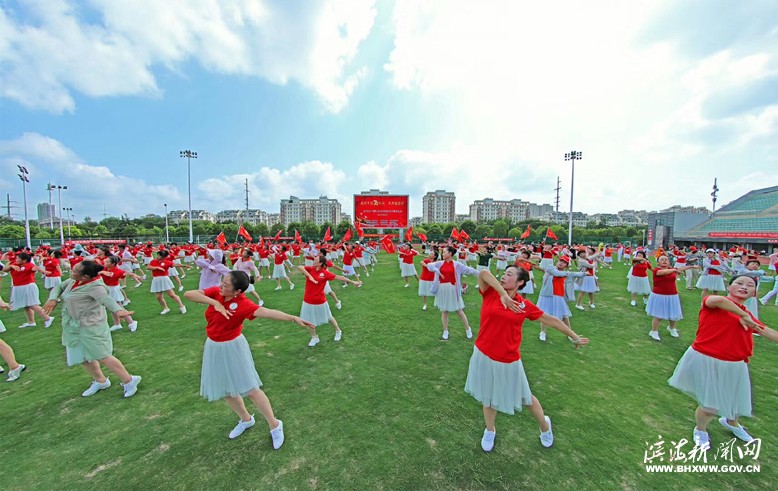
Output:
[[137, 285], [131, 387], [48, 323], [115, 328], [359, 284], [542, 336], [761, 300], [143, 277], [276, 288], [241, 427], [633, 303], [338, 305], [338, 335], [469, 334], [547, 437], [133, 326], [424, 307], [183, 276], [673, 332], [579, 307], [654, 335], [96, 387], [406, 285], [181, 288], [591, 305], [291, 287], [165, 311], [314, 341], [183, 310], [127, 302], [701, 439], [27, 324], [15, 373], [445, 335], [487, 442], [367, 274], [738, 431], [344, 285], [277, 435], [2, 370], [261, 303]]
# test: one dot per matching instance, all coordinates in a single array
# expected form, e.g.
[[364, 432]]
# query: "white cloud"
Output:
[[55, 51]]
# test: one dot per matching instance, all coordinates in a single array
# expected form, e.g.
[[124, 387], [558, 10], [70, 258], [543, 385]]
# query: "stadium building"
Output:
[[750, 221]]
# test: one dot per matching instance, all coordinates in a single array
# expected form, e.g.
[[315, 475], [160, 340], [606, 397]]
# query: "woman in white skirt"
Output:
[[315, 309], [553, 292], [752, 270], [427, 279], [279, 268], [638, 278], [327, 288], [228, 368], [714, 370], [24, 291], [524, 261], [448, 295], [52, 265], [15, 368], [588, 284], [711, 279], [112, 276], [496, 377], [664, 302], [246, 264], [160, 282], [407, 268]]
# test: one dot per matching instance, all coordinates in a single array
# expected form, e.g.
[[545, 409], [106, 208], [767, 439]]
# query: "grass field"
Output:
[[382, 409]]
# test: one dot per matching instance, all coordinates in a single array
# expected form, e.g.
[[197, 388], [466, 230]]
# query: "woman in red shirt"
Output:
[[407, 268], [25, 294], [228, 367], [664, 302], [111, 276], [53, 270], [638, 278], [315, 309], [160, 282], [279, 269], [714, 370], [427, 278], [496, 375], [448, 297]]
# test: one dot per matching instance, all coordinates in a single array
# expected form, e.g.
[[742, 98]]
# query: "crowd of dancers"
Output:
[[97, 283]]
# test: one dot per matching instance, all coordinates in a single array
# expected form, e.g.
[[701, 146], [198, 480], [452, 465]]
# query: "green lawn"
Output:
[[382, 409]]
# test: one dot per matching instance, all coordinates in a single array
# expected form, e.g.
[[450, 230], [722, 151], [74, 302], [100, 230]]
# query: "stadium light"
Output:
[[23, 173], [572, 156], [189, 156]]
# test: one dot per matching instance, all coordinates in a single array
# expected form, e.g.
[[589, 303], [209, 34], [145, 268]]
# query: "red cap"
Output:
[[565, 259]]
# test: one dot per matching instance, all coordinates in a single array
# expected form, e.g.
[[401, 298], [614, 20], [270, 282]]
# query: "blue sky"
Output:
[[335, 97]]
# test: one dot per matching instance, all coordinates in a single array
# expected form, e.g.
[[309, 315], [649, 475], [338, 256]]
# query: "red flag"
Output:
[[464, 235], [221, 239], [297, 237], [551, 234], [526, 232], [358, 226], [278, 236], [455, 234], [347, 236], [409, 234], [243, 233], [422, 237], [327, 235], [387, 244]]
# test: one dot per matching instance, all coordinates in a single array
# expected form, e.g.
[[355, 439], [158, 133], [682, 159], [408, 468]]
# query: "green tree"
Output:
[[342, 227], [12, 232], [275, 228], [500, 228], [483, 231], [100, 231], [324, 227], [311, 231], [44, 233], [435, 229], [447, 228], [468, 226], [515, 232], [261, 230], [292, 227]]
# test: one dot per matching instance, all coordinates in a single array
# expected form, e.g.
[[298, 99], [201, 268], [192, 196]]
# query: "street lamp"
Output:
[[167, 234], [189, 156], [23, 173], [572, 156], [59, 205], [49, 188], [68, 210]]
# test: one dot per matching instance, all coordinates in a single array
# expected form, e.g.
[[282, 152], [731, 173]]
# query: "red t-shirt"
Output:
[[221, 329], [358, 251], [113, 280], [280, 257], [721, 336], [559, 286], [52, 267], [25, 276], [408, 256], [714, 272], [448, 273], [499, 336], [348, 258], [640, 270], [426, 274], [165, 263], [296, 249], [664, 285], [314, 292], [75, 260]]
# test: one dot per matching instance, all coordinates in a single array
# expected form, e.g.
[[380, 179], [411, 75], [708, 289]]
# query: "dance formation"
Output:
[[713, 370]]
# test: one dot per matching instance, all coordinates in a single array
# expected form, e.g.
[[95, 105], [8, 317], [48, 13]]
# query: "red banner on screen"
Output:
[[384, 211], [745, 235]]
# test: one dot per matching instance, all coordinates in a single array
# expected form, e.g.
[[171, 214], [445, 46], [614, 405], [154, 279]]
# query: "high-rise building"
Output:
[[253, 217], [318, 210], [46, 213], [489, 209], [438, 207]]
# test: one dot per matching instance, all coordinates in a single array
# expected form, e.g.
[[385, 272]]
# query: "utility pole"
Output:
[[8, 206], [556, 201]]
